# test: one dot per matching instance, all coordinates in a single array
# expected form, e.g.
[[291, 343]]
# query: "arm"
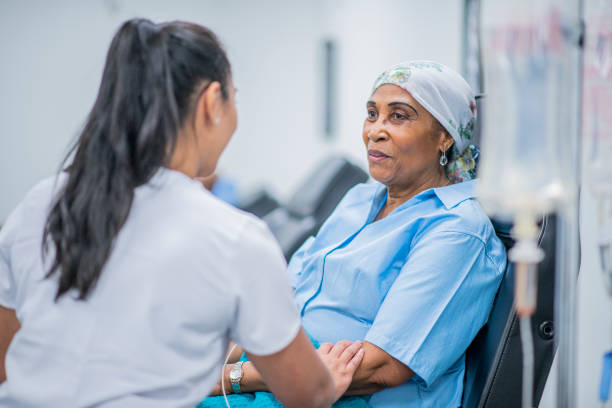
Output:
[[8, 327], [297, 368], [235, 356], [378, 371]]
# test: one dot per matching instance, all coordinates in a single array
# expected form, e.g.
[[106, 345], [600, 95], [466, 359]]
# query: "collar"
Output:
[[456, 193], [164, 175]]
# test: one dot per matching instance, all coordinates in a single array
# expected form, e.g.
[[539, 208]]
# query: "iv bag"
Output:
[[527, 155], [597, 121]]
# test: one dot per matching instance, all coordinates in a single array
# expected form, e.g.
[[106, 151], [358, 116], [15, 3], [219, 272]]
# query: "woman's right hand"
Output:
[[342, 360]]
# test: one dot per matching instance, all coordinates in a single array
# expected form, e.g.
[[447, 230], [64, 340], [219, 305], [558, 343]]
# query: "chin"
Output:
[[381, 178]]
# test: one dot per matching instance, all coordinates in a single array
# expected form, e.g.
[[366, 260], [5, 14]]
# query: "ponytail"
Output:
[[151, 73]]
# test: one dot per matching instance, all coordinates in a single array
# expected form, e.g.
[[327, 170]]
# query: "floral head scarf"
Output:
[[449, 98]]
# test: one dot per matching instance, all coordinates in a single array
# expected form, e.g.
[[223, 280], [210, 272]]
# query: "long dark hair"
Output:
[[153, 73]]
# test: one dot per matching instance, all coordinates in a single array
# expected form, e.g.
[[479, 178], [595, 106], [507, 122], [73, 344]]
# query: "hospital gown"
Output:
[[418, 283]]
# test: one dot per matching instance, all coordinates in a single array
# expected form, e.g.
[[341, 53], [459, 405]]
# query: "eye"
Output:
[[372, 114], [399, 116]]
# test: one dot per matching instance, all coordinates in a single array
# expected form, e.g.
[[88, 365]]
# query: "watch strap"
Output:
[[236, 383]]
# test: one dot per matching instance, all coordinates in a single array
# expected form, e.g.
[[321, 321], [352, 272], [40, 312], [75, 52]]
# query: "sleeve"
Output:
[[266, 318], [438, 302], [7, 278], [297, 260]]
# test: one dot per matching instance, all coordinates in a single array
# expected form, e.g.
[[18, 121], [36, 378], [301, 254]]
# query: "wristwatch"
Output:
[[235, 375]]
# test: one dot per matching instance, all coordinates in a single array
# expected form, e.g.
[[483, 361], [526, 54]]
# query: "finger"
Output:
[[324, 348], [339, 348], [356, 360], [350, 351]]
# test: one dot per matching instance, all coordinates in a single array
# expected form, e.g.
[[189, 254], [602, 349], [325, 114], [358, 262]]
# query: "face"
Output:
[[402, 139]]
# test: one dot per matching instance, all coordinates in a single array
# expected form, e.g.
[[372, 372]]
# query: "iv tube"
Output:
[[526, 255]]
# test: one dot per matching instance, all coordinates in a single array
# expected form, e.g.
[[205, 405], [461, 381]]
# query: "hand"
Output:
[[217, 391], [342, 360]]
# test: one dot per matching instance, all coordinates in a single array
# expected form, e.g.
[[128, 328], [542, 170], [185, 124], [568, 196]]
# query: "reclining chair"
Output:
[[313, 202], [494, 359]]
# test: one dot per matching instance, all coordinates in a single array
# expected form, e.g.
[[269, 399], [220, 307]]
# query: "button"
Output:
[[546, 330]]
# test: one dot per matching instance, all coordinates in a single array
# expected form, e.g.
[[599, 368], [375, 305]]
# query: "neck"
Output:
[[399, 194], [185, 158]]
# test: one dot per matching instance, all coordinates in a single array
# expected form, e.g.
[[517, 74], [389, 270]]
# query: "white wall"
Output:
[[51, 56]]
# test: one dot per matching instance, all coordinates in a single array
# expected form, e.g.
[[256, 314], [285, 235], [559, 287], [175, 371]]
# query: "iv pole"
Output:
[[568, 227]]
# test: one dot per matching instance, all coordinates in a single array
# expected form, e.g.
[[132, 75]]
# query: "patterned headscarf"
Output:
[[449, 98]]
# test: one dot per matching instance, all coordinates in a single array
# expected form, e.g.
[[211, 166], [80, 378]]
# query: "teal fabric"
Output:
[[268, 400]]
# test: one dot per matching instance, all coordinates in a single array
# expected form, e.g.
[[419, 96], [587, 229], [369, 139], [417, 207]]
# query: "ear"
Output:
[[209, 107], [445, 140], [448, 141]]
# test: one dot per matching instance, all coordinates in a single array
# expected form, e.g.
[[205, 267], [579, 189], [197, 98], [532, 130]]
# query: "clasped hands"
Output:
[[341, 359]]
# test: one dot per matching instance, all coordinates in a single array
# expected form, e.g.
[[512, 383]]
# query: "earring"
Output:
[[443, 159], [217, 120]]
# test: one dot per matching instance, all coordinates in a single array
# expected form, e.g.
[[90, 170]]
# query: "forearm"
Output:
[[251, 381], [367, 380], [8, 327], [236, 353], [377, 371]]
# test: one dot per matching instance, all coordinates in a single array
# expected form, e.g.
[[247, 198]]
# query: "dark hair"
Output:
[[151, 76]]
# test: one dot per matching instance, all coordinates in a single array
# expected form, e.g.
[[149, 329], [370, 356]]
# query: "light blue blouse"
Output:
[[418, 283]]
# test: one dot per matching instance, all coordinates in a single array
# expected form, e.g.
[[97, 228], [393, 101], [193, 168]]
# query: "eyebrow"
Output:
[[404, 104], [372, 103]]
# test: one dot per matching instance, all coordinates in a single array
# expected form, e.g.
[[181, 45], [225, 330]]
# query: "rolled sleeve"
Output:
[[438, 302]]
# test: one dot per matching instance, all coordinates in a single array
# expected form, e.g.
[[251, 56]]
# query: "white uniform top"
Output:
[[187, 274]]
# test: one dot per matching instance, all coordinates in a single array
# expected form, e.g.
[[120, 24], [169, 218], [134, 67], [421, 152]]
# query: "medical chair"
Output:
[[313, 202], [494, 359]]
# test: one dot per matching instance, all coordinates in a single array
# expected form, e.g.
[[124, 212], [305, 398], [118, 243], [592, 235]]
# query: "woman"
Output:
[[144, 275], [411, 264]]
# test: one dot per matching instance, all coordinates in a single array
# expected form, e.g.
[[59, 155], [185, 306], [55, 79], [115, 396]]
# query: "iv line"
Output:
[[223, 374]]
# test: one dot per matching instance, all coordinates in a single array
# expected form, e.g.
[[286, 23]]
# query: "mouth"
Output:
[[376, 155]]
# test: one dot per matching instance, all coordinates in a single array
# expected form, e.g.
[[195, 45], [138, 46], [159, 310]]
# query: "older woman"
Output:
[[411, 264]]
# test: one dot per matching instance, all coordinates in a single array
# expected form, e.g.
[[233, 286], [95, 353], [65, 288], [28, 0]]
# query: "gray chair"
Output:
[[494, 359], [313, 202]]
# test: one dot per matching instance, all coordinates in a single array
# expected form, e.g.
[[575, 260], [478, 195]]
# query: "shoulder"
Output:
[[35, 204], [469, 217], [185, 214], [469, 220], [43, 192]]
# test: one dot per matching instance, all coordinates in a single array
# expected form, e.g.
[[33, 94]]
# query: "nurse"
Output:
[[122, 279], [409, 264]]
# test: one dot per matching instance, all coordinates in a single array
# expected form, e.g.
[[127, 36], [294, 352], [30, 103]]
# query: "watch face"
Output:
[[234, 374]]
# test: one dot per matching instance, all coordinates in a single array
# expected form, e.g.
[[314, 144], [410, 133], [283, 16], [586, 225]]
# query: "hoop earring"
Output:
[[443, 159]]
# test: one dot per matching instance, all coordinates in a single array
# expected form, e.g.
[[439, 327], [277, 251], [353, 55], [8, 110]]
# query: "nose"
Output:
[[377, 135]]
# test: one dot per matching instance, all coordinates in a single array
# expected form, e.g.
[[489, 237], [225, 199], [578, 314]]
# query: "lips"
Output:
[[376, 155]]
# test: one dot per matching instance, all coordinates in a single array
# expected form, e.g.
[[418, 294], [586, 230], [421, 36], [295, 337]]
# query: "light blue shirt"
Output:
[[418, 283]]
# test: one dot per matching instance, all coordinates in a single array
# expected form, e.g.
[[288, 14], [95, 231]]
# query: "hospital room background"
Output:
[[303, 70]]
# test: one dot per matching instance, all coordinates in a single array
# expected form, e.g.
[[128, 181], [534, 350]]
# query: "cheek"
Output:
[[365, 131]]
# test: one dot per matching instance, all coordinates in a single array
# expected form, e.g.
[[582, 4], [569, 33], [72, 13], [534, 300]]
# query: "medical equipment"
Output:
[[223, 374], [598, 138], [313, 201], [529, 153]]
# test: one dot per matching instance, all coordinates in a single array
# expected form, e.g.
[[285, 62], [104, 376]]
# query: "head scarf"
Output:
[[449, 98]]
